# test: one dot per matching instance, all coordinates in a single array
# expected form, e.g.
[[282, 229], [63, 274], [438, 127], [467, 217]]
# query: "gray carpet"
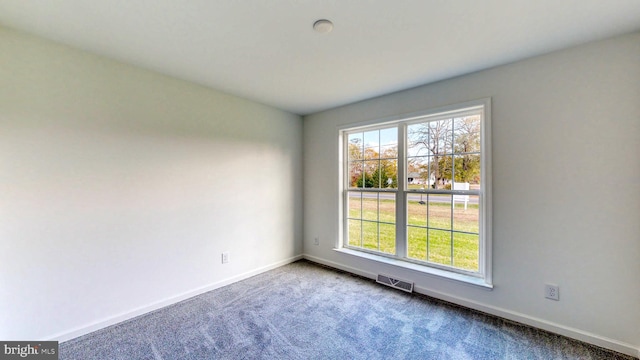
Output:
[[305, 311]]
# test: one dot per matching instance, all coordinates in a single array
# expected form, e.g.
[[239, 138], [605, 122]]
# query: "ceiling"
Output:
[[267, 51]]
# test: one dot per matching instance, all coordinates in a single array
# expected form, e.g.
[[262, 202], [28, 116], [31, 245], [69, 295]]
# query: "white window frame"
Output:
[[484, 275]]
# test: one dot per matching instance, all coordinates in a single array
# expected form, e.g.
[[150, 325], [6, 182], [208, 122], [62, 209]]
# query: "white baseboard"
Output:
[[567, 331], [112, 320]]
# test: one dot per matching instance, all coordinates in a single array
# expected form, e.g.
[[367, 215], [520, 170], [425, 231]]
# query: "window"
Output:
[[416, 189]]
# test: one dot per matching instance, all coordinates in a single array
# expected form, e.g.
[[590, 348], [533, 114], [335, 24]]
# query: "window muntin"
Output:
[[438, 208]]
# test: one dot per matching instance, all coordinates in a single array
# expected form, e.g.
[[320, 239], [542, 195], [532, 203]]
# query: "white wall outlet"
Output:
[[225, 257], [316, 240], [552, 292]]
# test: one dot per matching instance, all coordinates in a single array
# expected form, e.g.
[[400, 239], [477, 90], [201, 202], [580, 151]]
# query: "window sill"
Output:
[[449, 275]]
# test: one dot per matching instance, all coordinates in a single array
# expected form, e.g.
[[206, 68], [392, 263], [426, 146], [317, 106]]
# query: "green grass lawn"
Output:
[[431, 234]]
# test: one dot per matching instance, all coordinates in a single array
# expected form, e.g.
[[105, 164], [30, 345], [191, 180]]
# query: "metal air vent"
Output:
[[395, 283]]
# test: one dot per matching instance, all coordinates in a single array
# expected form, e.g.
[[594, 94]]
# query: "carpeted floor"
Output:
[[305, 311]]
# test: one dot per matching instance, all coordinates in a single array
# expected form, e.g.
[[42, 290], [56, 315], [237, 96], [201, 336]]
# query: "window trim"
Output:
[[484, 276]]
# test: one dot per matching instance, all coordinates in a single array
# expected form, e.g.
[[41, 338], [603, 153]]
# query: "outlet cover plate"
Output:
[[552, 292]]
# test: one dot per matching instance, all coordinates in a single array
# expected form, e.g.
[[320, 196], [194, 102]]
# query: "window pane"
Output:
[[355, 227], [440, 137], [355, 205], [467, 168], [466, 251], [388, 238], [440, 247], [417, 209], [370, 235], [417, 247], [467, 134], [370, 206], [418, 173], [389, 174], [355, 146], [417, 139], [466, 219], [372, 139], [372, 144], [440, 171], [371, 176], [356, 174], [389, 137], [387, 208], [439, 212], [442, 167]]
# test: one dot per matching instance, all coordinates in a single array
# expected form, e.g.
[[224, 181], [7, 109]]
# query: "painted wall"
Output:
[[120, 188], [566, 188]]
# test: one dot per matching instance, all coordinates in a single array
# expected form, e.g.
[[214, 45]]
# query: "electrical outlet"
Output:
[[316, 241], [552, 292], [225, 257]]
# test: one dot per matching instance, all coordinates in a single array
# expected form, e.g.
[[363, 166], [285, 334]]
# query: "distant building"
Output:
[[416, 178]]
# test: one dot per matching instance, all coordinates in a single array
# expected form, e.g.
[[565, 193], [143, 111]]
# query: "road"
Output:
[[415, 197]]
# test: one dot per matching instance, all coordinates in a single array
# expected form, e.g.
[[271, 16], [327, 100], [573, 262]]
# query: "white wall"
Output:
[[120, 188], [566, 188]]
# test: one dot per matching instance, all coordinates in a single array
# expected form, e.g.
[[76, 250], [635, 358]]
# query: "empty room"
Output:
[[320, 179]]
